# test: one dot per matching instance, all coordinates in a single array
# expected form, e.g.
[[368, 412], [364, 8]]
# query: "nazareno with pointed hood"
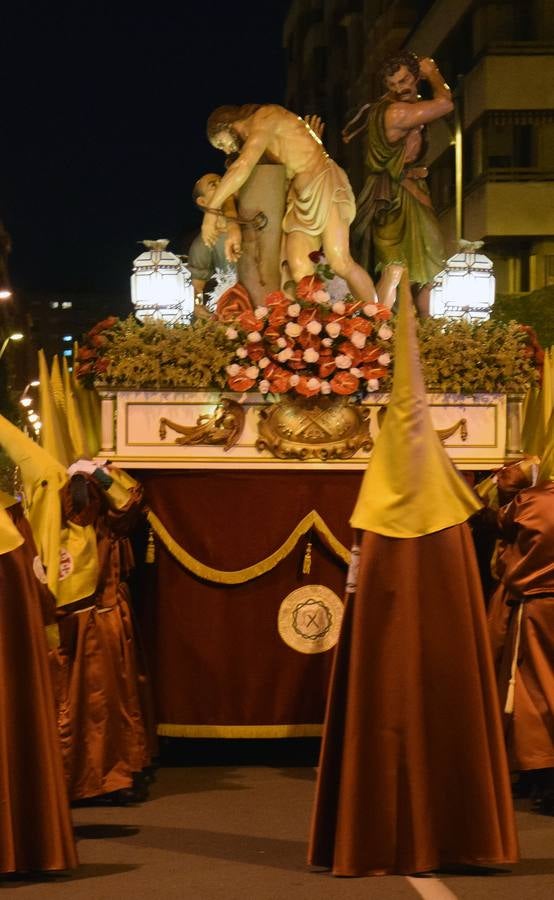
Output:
[[413, 774]]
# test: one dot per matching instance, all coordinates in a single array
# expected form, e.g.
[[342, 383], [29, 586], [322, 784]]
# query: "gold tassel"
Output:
[[307, 564], [240, 576], [510, 696], [52, 636], [150, 555], [353, 569]]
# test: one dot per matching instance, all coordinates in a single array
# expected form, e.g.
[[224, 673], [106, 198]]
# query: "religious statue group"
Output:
[[391, 227], [432, 704]]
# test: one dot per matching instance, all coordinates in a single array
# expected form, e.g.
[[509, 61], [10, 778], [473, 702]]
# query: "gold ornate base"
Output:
[[315, 428]]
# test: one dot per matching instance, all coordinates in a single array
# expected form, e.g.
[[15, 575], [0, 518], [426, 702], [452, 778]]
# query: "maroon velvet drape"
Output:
[[215, 652]]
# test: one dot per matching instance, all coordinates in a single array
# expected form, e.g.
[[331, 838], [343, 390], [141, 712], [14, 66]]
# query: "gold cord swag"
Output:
[[240, 576]]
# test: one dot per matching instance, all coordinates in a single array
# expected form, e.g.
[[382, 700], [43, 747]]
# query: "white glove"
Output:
[[86, 466]]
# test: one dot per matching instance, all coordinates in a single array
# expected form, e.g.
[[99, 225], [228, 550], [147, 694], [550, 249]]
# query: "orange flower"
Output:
[[277, 317], [232, 302], [347, 326], [369, 354], [383, 312], [308, 286], [255, 352], [326, 368], [309, 340], [307, 315], [303, 389], [363, 325], [374, 372], [109, 322], [344, 383], [86, 353], [248, 321], [271, 369], [351, 351], [272, 333], [240, 382], [296, 361], [279, 382], [353, 307], [98, 340], [276, 298]]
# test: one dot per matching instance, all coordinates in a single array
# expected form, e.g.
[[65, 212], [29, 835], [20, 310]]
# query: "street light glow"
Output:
[[16, 336], [5, 294]]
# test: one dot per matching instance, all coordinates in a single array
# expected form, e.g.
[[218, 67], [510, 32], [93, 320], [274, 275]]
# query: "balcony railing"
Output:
[[507, 173]]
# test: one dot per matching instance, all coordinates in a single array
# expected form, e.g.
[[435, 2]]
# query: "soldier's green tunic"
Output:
[[391, 225]]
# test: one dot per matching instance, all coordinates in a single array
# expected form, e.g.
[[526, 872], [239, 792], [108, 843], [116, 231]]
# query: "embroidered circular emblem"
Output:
[[39, 569], [66, 563], [309, 619]]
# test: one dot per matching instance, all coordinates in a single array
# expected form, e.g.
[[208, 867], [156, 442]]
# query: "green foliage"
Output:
[[155, 355], [535, 309], [461, 357], [458, 357]]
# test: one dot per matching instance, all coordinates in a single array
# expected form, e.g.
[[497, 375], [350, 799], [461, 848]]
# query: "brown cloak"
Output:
[[413, 774], [35, 825]]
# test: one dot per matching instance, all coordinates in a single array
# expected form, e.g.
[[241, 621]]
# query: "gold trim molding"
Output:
[[316, 428]]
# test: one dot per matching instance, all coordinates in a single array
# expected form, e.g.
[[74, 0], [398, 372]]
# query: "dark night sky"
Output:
[[105, 105]]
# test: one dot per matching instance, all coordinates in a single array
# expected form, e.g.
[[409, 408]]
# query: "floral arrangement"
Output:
[[153, 354], [535, 309], [464, 357], [323, 342]]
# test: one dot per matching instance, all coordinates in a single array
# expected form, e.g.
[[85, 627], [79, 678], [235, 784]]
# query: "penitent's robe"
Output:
[[36, 833], [105, 715], [524, 603], [413, 774]]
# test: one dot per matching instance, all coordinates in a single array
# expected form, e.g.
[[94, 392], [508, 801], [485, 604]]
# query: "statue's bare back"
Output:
[[289, 141]]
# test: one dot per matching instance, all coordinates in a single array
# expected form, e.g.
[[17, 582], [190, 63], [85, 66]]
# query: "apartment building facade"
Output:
[[498, 57]]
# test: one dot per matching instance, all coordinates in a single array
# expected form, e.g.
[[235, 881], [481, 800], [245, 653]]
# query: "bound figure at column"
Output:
[[320, 203]]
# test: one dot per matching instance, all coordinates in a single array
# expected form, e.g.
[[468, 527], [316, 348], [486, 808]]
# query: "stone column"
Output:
[[259, 266]]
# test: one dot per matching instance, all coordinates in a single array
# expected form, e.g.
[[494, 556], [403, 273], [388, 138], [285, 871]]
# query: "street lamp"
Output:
[[25, 400], [5, 294], [16, 336]]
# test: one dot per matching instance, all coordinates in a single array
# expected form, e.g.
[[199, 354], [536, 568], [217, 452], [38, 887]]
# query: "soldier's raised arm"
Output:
[[400, 117]]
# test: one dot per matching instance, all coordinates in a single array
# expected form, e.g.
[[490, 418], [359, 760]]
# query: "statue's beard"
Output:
[[237, 140]]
